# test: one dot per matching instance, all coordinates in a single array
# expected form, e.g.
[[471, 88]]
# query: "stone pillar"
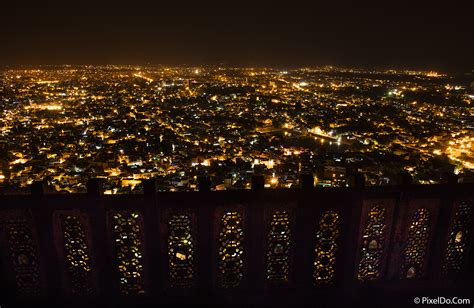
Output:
[[449, 178], [356, 180], [149, 186], [204, 183], [307, 181], [404, 178], [39, 188], [258, 182], [95, 187]]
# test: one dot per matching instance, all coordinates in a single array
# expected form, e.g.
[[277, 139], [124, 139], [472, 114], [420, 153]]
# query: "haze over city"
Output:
[[420, 35]]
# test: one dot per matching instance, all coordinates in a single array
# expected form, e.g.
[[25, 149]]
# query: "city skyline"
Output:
[[125, 124]]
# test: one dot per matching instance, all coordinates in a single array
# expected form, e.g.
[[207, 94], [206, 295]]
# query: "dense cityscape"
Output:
[[67, 124]]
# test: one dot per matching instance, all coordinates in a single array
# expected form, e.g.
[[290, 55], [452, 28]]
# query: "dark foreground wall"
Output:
[[334, 247]]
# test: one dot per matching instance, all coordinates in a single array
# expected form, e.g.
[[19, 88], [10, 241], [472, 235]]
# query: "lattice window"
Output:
[[417, 243], [76, 252], [231, 250], [127, 237], [278, 253], [373, 242], [326, 248], [458, 241], [23, 251], [180, 251]]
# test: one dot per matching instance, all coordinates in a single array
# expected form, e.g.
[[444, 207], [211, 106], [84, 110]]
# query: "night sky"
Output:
[[385, 34]]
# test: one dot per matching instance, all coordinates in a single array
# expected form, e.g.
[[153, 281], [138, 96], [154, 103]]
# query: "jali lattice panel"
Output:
[[181, 250], [231, 251], [459, 238], [21, 242], [376, 220], [127, 236], [419, 227], [73, 244], [326, 248], [278, 255]]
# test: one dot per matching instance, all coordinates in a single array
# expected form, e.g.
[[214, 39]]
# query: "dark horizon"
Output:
[[223, 65], [418, 36]]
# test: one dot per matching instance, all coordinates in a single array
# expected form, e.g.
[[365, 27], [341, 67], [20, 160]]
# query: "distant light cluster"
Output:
[[68, 124]]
